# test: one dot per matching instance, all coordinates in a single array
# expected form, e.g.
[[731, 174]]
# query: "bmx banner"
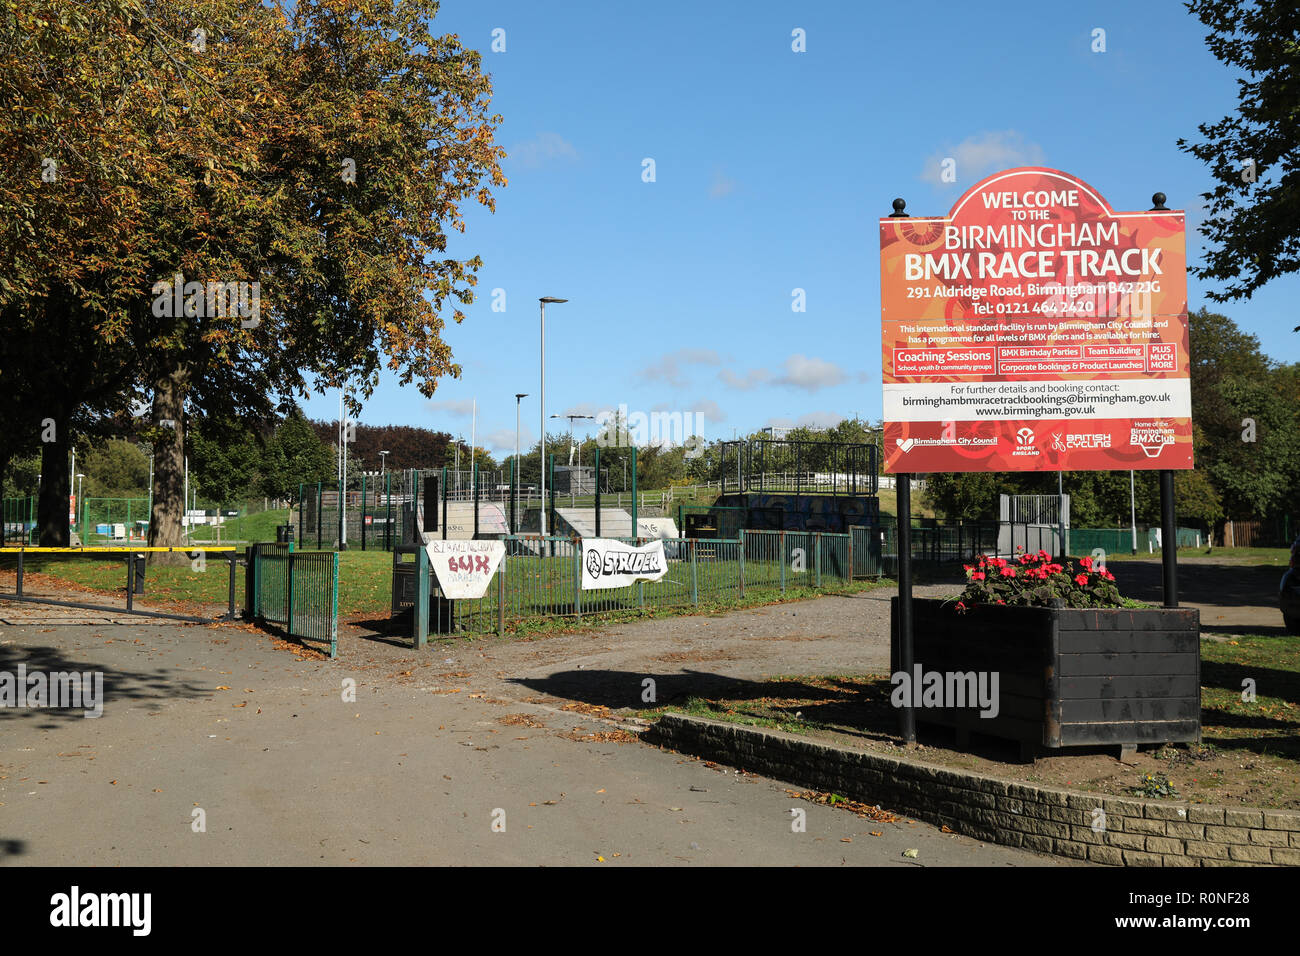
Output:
[[1033, 328], [613, 564], [465, 568]]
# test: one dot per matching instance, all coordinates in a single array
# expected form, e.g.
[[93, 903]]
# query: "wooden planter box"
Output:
[[1067, 676]]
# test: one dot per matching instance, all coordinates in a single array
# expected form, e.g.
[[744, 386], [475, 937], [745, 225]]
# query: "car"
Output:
[[1289, 593]]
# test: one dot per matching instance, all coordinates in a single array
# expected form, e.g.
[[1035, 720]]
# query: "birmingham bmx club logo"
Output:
[[1151, 437]]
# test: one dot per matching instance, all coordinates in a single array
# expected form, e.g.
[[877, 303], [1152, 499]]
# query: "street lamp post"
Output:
[[542, 413], [519, 475]]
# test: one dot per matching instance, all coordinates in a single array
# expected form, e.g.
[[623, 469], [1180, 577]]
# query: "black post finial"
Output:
[[899, 206], [1158, 202]]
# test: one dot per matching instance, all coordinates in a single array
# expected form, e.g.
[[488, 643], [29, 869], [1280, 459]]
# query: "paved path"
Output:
[[412, 772]]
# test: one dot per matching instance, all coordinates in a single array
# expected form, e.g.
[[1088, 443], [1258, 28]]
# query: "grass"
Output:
[[542, 588], [1267, 556], [1269, 722], [249, 527], [1250, 750]]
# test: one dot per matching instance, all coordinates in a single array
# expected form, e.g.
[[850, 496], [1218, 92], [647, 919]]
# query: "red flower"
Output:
[[1086, 563], [1008, 572], [1107, 575], [977, 576], [1081, 579], [1043, 555]]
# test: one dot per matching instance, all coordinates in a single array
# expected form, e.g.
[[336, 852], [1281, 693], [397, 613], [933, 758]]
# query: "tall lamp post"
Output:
[[542, 407], [519, 475]]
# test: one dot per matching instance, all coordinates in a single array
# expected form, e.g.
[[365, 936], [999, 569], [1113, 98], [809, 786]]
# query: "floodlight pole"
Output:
[[542, 410], [903, 486]]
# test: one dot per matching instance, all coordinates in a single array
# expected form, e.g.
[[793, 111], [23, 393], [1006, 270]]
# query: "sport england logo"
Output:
[[1025, 444]]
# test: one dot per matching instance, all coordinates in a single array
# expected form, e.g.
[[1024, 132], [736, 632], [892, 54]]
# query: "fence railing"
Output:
[[541, 577], [298, 590]]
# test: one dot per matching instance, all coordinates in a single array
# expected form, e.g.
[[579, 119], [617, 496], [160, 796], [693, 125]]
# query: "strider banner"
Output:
[[613, 564], [1035, 329]]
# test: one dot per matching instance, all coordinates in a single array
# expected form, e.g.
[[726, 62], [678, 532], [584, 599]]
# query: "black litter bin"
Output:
[[284, 534]]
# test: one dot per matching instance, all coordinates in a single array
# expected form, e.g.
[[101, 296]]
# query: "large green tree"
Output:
[[1254, 210], [318, 151]]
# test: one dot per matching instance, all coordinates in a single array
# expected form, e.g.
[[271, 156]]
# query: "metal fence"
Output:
[[19, 521], [541, 577], [298, 590]]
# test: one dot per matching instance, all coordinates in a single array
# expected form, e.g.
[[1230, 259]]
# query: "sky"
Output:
[[771, 168]]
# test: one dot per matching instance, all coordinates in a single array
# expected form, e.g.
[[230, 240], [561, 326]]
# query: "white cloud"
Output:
[[668, 368], [721, 186], [810, 374], [456, 408], [751, 379], [541, 149], [503, 440], [983, 153], [709, 409]]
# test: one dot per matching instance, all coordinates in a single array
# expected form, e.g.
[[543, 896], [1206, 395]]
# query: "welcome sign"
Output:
[[1033, 328], [613, 564]]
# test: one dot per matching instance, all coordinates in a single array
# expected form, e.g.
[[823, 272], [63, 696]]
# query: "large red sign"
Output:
[[1035, 329]]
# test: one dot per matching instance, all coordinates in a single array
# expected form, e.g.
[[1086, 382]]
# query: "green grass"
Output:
[[1268, 556], [255, 527], [1272, 720], [540, 587], [364, 579]]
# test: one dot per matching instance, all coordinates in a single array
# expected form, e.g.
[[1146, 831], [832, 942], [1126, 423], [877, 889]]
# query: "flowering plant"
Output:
[[1032, 579]]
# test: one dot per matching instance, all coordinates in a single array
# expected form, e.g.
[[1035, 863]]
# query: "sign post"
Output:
[[1034, 328]]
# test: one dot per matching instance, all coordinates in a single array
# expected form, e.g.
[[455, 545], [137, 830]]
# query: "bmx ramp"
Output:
[[614, 523], [492, 521]]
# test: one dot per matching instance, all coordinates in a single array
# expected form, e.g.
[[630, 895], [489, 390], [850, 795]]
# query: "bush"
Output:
[[1034, 580]]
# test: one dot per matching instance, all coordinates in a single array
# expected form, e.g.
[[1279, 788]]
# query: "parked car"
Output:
[[1289, 594]]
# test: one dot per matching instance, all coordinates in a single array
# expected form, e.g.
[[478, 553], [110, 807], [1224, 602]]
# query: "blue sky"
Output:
[[771, 170]]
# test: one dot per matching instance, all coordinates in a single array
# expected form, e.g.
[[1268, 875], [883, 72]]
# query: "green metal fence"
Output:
[[541, 578], [19, 520], [298, 590], [113, 520]]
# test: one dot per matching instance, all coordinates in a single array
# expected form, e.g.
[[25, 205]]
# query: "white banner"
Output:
[[992, 401], [613, 564], [464, 568]]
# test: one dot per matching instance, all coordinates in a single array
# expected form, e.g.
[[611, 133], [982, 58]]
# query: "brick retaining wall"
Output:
[[1135, 833]]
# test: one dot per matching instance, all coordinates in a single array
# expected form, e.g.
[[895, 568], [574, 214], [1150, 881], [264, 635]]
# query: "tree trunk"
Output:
[[165, 527], [52, 507]]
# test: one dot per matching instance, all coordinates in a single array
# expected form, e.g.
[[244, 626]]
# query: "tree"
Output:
[[312, 155], [115, 469], [1254, 211], [226, 459], [295, 457]]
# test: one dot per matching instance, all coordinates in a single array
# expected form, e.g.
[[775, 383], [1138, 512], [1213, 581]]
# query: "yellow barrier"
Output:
[[92, 550]]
